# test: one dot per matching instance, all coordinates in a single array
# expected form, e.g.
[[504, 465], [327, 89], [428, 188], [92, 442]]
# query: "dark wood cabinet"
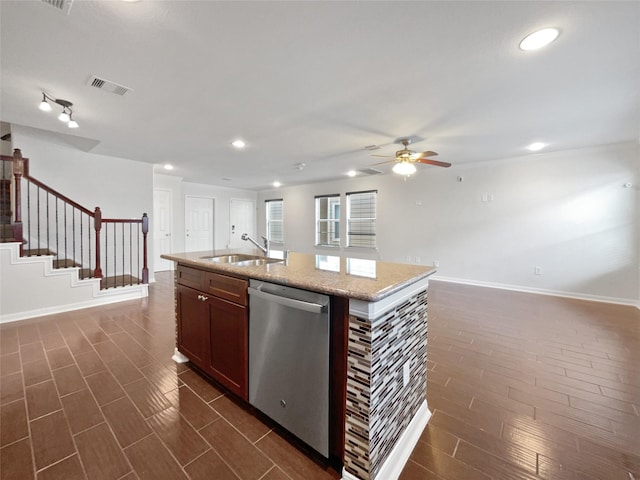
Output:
[[213, 326], [229, 345], [193, 325]]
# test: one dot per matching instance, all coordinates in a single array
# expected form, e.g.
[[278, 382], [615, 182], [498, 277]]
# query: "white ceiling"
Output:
[[314, 82]]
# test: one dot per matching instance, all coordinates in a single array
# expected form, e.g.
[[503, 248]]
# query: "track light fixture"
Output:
[[67, 114]]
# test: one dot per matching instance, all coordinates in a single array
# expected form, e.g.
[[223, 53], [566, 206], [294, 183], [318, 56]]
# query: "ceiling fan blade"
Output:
[[385, 156], [428, 153], [381, 163], [433, 162]]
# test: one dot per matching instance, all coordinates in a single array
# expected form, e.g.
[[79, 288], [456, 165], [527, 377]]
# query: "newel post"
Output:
[[97, 225], [18, 171], [145, 230]]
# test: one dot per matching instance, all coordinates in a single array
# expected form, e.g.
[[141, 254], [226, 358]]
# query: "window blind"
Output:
[[361, 219], [275, 220]]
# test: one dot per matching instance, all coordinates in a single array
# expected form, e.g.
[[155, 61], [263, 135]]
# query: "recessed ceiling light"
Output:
[[352, 173], [168, 166], [535, 146], [276, 184], [238, 143], [539, 39]]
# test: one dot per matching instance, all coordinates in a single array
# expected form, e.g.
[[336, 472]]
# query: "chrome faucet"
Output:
[[264, 249]]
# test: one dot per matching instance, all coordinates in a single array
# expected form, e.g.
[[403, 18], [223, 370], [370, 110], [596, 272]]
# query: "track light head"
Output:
[[72, 123], [64, 116], [44, 105]]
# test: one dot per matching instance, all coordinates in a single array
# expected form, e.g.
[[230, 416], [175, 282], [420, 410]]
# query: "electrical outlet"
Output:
[[537, 270], [436, 263], [405, 374]]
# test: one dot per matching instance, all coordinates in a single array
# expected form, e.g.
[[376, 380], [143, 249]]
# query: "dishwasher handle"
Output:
[[288, 302]]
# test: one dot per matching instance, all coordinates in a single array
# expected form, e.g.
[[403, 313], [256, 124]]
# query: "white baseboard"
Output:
[[119, 294], [541, 291], [397, 459]]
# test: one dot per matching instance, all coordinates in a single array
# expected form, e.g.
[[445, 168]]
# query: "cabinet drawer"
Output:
[[190, 277], [229, 288]]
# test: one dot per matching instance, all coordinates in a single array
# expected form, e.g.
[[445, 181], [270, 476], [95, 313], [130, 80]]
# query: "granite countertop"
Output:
[[368, 280]]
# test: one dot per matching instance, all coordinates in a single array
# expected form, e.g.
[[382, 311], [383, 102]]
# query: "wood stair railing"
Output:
[[49, 223]]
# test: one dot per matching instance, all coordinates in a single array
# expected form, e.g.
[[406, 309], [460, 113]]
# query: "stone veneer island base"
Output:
[[386, 351]]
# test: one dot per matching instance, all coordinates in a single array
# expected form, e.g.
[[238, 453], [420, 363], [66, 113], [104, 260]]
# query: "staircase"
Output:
[[57, 255], [6, 231]]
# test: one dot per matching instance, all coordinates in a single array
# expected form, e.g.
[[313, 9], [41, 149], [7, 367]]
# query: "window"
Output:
[[328, 220], [361, 219], [275, 220]]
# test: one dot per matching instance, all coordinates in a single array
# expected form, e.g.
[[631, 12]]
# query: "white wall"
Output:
[[568, 213], [122, 188], [222, 198]]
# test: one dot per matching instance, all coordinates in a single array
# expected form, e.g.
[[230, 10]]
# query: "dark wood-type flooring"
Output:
[[521, 386]]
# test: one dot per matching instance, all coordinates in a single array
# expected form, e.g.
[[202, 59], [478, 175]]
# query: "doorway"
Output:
[[242, 219], [162, 228], [198, 223]]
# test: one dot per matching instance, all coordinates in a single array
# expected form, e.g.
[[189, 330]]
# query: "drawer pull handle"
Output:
[[203, 298]]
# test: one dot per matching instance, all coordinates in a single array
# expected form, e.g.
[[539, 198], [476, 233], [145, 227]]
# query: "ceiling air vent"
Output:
[[62, 5], [107, 85]]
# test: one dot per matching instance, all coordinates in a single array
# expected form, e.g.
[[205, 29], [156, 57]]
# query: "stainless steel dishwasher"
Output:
[[289, 359]]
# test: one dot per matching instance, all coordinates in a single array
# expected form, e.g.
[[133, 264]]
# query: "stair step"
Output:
[[119, 281], [6, 231], [64, 263], [36, 252], [85, 273]]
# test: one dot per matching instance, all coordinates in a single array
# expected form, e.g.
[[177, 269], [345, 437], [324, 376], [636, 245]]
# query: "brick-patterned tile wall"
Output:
[[379, 407]]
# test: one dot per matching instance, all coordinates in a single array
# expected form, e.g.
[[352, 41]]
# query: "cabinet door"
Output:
[[229, 338], [193, 325]]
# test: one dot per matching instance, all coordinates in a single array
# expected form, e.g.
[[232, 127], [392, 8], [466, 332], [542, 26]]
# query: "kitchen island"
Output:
[[379, 345]]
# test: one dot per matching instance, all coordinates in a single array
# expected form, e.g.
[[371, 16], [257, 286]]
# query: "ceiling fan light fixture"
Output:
[[404, 168], [539, 39]]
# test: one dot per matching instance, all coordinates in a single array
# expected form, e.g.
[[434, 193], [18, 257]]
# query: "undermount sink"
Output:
[[239, 257], [243, 260], [257, 262]]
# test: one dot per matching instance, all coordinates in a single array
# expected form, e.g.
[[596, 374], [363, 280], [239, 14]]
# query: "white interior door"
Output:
[[198, 228], [242, 219], [162, 222]]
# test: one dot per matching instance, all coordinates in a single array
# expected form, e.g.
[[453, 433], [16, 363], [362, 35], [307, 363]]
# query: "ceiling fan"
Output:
[[406, 159]]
